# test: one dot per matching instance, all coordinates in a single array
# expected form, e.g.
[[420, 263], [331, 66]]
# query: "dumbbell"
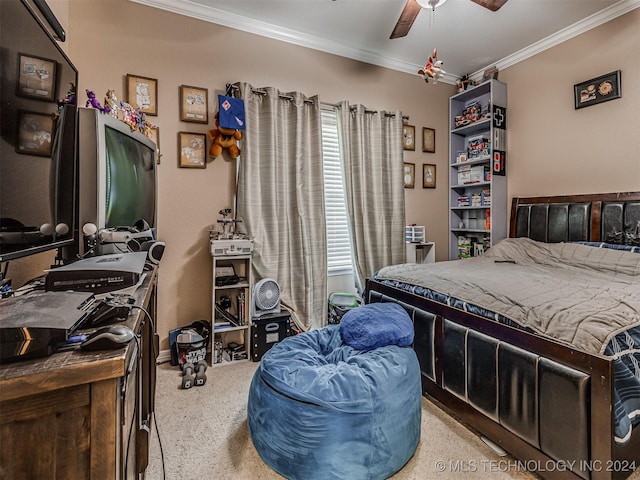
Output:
[[187, 375], [201, 378]]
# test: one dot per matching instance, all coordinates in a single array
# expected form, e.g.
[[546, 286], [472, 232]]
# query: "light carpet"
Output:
[[204, 435]]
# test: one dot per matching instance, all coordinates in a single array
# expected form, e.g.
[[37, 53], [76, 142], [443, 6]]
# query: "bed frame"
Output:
[[548, 405]]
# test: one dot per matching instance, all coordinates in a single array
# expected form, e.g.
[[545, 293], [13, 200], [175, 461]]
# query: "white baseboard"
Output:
[[164, 356]]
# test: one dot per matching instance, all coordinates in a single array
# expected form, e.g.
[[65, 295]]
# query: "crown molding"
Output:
[[238, 22], [578, 28]]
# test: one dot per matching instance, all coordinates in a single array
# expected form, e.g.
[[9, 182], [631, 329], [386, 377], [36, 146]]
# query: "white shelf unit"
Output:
[[421, 252], [232, 333], [486, 127]]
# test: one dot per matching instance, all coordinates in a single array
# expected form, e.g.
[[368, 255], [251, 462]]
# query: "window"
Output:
[[338, 245]]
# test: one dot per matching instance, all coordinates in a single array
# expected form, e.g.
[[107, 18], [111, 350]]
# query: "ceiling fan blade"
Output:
[[407, 17], [493, 5]]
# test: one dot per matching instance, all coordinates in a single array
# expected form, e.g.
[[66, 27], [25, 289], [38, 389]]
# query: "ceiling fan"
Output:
[[412, 8]]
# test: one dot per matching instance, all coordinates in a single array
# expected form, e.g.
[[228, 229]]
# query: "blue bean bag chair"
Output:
[[320, 408]]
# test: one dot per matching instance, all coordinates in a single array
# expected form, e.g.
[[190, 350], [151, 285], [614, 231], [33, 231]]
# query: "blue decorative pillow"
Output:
[[613, 246], [376, 325]]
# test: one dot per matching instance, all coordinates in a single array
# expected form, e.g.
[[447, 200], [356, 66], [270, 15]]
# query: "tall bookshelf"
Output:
[[477, 169]]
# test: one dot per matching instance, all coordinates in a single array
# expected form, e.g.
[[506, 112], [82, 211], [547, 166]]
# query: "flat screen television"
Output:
[[117, 174], [37, 137]]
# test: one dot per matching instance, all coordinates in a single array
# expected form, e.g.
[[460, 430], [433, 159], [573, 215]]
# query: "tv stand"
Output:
[[82, 414]]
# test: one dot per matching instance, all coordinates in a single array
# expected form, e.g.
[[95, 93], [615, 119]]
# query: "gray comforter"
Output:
[[573, 293]]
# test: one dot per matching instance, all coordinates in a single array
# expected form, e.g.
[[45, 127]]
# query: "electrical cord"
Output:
[[153, 413], [155, 422], [153, 327], [99, 244], [135, 411]]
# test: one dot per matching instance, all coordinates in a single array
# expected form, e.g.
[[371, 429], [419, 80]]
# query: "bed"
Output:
[[542, 372]]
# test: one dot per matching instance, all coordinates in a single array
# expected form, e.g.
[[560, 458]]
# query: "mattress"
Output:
[[583, 295]]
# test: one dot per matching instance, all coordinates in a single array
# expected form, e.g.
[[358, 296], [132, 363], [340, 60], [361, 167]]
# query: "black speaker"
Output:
[[154, 250]]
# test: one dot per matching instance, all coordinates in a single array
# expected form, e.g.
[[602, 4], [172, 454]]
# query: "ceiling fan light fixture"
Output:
[[430, 3]]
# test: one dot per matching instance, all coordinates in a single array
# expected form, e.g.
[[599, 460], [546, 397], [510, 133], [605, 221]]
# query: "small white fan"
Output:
[[266, 297]]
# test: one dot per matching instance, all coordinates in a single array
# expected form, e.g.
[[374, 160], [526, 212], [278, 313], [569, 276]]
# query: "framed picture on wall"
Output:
[[429, 140], [408, 137], [193, 104], [597, 90], [428, 175], [409, 174], [191, 150], [142, 93], [35, 133], [36, 77]]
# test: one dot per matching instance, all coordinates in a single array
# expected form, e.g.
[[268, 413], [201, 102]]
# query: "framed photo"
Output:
[[142, 93], [35, 133], [191, 150], [428, 140], [36, 77], [194, 104], [154, 136], [408, 137], [409, 174], [597, 90], [428, 175], [490, 74]]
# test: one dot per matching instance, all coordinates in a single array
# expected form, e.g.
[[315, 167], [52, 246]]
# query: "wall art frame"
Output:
[[598, 90], [428, 175], [35, 133], [428, 140], [192, 150], [409, 174], [194, 104], [36, 77], [408, 137], [142, 93]]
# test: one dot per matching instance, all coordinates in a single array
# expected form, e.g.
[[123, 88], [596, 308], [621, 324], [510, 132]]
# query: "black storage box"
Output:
[[268, 330]]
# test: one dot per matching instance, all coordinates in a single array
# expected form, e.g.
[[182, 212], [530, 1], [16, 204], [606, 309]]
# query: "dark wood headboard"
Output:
[[601, 217]]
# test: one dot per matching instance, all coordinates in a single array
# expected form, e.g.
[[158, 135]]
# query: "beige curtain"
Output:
[[374, 188], [280, 197]]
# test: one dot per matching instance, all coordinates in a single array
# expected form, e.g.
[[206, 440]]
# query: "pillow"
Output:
[[613, 246], [376, 325]]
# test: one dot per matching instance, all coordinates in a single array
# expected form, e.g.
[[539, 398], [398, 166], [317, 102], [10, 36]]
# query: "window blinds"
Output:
[[338, 246]]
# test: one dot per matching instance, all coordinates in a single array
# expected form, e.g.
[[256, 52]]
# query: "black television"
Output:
[[37, 135], [117, 176]]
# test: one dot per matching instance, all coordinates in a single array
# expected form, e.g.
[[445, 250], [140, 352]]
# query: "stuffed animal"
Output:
[[224, 139], [433, 68]]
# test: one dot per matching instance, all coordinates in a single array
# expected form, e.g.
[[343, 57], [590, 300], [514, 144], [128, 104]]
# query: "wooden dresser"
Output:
[[82, 415]]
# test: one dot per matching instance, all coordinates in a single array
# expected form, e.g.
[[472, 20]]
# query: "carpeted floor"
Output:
[[204, 435]]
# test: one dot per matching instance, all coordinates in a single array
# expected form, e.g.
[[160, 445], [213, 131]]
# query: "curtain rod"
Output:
[[287, 97], [404, 117], [262, 92]]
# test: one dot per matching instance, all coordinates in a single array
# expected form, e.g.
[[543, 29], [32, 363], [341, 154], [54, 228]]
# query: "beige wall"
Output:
[[555, 149], [131, 38], [552, 148]]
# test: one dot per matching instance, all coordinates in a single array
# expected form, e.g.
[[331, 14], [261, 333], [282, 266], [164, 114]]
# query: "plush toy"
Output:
[[224, 139], [433, 68]]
